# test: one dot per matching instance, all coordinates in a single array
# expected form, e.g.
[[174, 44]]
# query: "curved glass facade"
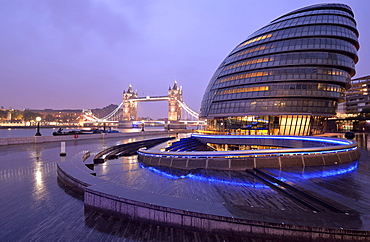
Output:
[[287, 77]]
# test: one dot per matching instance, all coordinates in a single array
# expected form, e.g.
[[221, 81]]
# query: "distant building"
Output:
[[354, 113], [129, 107], [357, 97], [61, 115], [286, 78], [174, 107]]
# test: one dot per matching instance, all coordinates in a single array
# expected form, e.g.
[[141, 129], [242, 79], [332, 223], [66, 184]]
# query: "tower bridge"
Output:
[[127, 110], [130, 100]]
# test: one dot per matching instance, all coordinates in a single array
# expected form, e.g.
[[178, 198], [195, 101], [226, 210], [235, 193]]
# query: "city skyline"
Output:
[[71, 55]]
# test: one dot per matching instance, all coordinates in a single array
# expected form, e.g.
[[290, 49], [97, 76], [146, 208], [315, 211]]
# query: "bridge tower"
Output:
[[174, 108], [129, 107]]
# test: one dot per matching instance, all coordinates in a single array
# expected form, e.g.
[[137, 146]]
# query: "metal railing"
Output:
[[335, 146]]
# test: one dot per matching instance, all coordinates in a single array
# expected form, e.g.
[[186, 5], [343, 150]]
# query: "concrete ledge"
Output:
[[75, 177], [199, 215]]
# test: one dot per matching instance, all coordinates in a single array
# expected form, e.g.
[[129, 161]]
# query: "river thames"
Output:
[[28, 132], [34, 206]]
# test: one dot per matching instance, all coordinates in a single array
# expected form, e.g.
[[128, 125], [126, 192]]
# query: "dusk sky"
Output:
[[83, 53]]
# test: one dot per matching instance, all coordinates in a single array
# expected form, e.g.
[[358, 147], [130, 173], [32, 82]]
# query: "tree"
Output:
[[3, 114], [29, 115], [49, 118], [17, 115]]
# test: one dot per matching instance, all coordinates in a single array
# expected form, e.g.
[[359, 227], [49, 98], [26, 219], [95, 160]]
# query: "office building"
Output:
[[287, 77]]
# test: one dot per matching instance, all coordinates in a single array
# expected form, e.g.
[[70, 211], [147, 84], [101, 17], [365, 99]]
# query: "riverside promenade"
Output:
[[35, 207]]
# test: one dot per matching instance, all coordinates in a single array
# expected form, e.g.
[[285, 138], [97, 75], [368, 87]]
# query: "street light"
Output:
[[38, 119]]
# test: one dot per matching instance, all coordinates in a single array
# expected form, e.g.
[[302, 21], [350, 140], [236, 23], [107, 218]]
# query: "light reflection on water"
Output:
[[38, 170], [362, 140], [38, 176], [313, 172]]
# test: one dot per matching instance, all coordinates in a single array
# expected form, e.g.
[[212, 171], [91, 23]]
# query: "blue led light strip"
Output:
[[340, 145], [308, 175], [305, 138], [218, 155], [202, 178]]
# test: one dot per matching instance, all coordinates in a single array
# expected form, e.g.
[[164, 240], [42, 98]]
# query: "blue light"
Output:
[[306, 176], [306, 138], [321, 152], [334, 172], [203, 178], [215, 154], [324, 147], [328, 172]]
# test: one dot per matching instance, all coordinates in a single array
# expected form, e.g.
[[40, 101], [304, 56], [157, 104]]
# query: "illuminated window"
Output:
[[245, 63], [247, 75], [256, 39], [244, 89], [253, 50]]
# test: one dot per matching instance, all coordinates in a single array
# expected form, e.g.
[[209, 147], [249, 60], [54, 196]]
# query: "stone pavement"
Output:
[[35, 207]]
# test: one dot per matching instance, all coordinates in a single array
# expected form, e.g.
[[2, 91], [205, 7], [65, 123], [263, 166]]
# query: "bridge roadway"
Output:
[[35, 207]]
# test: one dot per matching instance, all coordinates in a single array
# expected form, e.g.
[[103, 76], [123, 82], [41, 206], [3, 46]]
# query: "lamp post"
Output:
[[104, 125], [38, 119]]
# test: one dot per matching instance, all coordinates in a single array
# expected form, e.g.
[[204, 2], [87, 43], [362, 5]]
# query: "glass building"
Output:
[[358, 98], [287, 77]]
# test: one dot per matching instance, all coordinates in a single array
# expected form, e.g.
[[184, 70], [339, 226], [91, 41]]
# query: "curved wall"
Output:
[[299, 151], [297, 67]]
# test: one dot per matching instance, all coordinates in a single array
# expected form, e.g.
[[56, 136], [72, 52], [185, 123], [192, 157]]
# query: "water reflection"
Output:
[[130, 163], [216, 177], [35, 153], [38, 177], [130, 140], [314, 171], [362, 140]]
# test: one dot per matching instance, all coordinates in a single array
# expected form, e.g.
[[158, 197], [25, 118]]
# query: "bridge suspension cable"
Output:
[[87, 115], [112, 116], [188, 109], [114, 112]]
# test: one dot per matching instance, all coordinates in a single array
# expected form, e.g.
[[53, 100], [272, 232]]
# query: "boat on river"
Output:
[[83, 132]]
